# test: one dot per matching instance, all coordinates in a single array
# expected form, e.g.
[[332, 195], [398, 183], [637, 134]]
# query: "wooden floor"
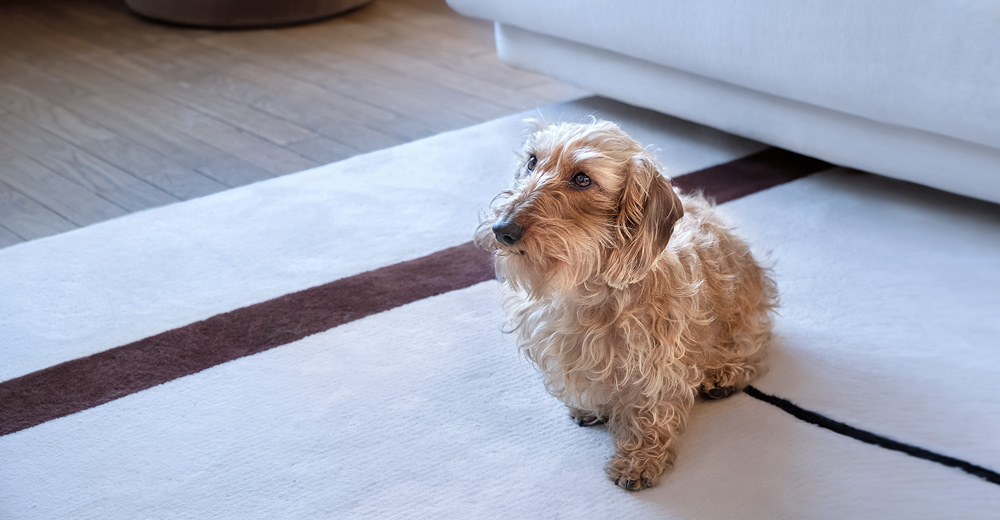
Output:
[[103, 113]]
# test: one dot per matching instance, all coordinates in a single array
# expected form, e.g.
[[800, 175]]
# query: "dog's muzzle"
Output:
[[507, 231]]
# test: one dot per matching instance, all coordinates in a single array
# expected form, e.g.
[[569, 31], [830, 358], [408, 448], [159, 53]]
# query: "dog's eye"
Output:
[[532, 162], [580, 180]]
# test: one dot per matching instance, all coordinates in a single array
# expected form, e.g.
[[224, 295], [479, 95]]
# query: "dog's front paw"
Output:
[[585, 418], [631, 474]]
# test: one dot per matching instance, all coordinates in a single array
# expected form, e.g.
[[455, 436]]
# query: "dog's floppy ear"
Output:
[[648, 210]]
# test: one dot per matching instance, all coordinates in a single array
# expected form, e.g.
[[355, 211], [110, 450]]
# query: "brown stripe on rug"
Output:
[[86, 382], [753, 173]]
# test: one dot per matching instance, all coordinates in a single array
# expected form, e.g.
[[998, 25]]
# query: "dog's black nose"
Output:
[[507, 231]]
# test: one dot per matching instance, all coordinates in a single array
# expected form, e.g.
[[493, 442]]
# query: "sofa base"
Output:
[[904, 153]]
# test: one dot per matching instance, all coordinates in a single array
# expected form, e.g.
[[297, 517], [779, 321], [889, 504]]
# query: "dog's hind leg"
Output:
[[730, 367], [728, 379]]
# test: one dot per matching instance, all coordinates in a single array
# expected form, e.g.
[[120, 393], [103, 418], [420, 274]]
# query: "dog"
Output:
[[632, 300]]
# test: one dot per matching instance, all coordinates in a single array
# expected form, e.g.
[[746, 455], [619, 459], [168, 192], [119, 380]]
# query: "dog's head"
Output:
[[588, 205]]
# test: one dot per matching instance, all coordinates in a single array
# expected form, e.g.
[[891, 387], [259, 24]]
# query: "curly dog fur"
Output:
[[630, 298]]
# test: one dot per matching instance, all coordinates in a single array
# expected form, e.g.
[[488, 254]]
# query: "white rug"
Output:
[[889, 324]]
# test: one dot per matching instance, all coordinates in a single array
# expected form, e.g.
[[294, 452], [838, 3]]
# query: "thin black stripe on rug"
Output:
[[90, 381], [871, 438]]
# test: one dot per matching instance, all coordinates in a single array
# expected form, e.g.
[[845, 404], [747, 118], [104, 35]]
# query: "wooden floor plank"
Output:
[[248, 119], [395, 62], [16, 72], [143, 163], [329, 114], [358, 67], [58, 194], [353, 75], [207, 170], [301, 99], [182, 60], [8, 238], [402, 20], [550, 90], [213, 163], [103, 112], [431, 100], [427, 109], [156, 169], [40, 112], [161, 111], [83, 168], [322, 150], [112, 29], [361, 136], [27, 218], [217, 133]]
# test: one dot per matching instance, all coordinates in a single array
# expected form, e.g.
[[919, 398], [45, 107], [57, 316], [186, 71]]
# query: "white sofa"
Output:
[[904, 88]]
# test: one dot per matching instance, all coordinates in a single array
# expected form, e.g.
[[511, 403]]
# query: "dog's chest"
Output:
[[577, 349]]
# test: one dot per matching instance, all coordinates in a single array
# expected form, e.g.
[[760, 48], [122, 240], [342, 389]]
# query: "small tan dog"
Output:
[[630, 299]]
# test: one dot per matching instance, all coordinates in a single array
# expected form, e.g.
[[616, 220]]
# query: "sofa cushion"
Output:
[[932, 65]]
